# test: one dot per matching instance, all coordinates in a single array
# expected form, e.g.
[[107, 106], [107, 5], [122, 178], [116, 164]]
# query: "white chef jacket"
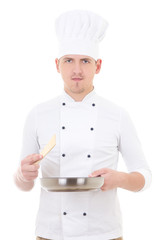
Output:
[[89, 136]]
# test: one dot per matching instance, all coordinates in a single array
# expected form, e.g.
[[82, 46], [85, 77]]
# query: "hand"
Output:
[[28, 169], [111, 178]]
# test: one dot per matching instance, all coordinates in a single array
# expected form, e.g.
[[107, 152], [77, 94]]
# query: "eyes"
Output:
[[70, 60], [85, 61]]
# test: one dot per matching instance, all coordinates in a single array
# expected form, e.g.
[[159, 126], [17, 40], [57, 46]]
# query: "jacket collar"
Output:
[[88, 97]]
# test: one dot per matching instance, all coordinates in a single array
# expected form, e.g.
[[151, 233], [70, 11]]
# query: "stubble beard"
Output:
[[77, 89]]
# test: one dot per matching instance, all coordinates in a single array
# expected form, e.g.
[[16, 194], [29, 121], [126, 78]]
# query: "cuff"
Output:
[[147, 176]]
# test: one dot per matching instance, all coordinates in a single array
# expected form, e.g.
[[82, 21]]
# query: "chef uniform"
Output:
[[89, 136]]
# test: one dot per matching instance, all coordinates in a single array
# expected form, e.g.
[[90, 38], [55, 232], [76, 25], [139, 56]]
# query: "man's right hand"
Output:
[[28, 168]]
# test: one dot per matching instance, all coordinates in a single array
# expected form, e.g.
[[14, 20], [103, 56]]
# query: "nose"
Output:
[[77, 68]]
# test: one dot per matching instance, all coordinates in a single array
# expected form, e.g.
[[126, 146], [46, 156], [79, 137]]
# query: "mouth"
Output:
[[77, 79]]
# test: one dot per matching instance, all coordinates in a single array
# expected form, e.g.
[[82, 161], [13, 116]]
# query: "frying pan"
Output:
[[70, 184]]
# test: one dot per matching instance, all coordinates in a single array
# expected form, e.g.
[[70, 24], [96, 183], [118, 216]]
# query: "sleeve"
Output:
[[131, 150], [30, 140]]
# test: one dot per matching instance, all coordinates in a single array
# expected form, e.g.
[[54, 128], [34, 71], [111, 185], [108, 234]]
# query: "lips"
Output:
[[77, 78]]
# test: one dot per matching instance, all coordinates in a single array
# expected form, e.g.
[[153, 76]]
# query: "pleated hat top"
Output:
[[79, 32]]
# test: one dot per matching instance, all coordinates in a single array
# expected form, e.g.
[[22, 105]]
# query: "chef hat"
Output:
[[79, 32]]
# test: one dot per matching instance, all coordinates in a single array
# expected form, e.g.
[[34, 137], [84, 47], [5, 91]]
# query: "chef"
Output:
[[90, 133]]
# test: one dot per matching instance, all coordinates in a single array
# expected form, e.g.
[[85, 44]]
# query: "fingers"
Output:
[[99, 172], [32, 159], [30, 176], [29, 169]]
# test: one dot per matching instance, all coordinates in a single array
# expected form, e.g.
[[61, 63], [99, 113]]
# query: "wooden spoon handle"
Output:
[[48, 147]]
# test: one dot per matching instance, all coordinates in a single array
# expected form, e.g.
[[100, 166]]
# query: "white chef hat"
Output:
[[79, 32]]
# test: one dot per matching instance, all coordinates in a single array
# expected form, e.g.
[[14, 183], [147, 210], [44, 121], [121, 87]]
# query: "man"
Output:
[[90, 132]]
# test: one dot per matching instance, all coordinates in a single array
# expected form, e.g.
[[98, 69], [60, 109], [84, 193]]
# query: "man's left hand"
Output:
[[133, 181], [111, 178]]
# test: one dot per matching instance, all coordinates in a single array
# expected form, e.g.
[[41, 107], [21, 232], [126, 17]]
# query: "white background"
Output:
[[130, 77]]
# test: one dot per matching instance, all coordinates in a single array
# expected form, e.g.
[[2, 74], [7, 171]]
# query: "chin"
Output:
[[78, 91]]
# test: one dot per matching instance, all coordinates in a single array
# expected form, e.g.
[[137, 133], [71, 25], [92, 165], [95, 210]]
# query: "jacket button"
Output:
[[84, 214], [63, 127], [64, 213], [91, 129], [88, 155], [93, 104], [63, 155], [63, 104]]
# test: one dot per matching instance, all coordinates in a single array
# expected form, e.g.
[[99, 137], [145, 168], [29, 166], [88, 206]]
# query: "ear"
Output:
[[57, 65], [98, 66]]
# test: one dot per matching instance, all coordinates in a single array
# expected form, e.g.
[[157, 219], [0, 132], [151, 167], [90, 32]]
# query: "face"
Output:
[[77, 72]]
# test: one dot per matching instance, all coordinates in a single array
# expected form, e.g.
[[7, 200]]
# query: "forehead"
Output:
[[77, 57]]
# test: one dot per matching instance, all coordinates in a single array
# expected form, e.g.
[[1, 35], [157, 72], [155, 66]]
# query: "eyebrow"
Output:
[[88, 59], [66, 58]]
